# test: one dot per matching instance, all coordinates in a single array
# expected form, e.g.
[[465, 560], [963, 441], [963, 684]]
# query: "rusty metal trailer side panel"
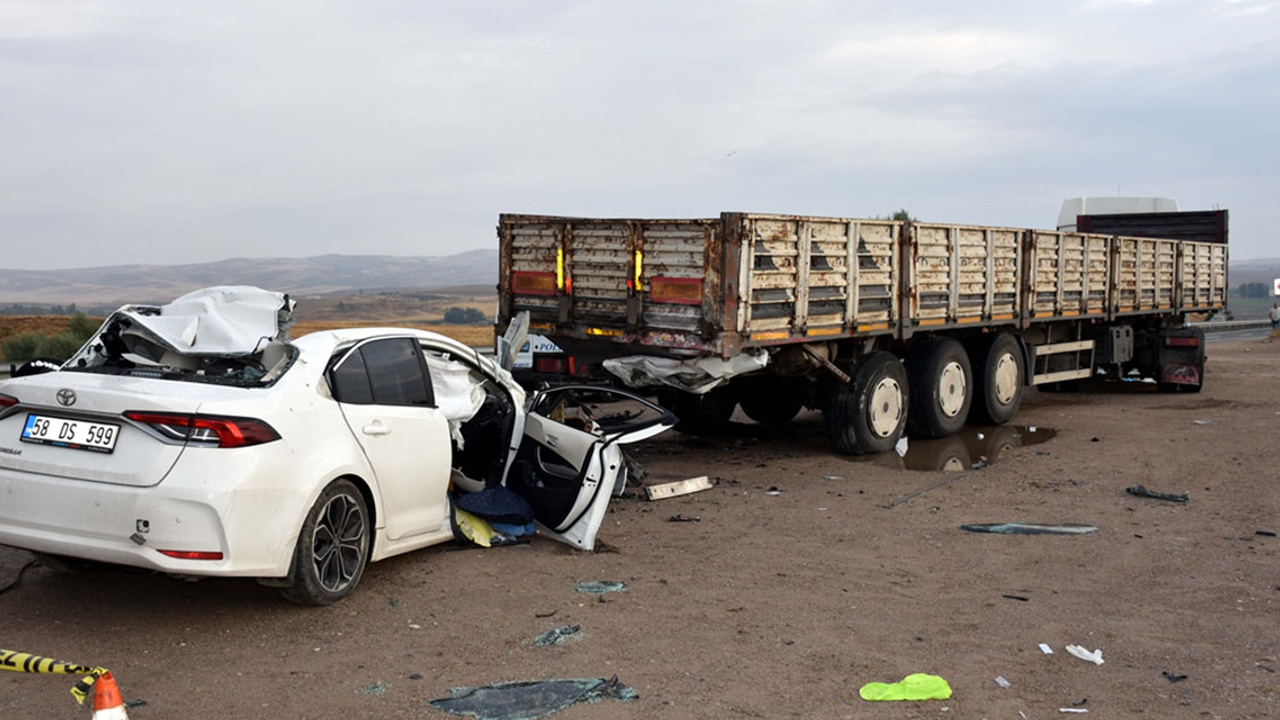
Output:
[[717, 286], [808, 277]]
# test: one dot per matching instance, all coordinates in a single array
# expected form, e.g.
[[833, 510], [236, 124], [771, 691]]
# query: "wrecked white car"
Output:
[[196, 439]]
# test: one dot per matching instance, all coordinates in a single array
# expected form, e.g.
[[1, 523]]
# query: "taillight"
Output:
[[533, 283], [1191, 341], [191, 554], [7, 401], [211, 430], [684, 291], [551, 365]]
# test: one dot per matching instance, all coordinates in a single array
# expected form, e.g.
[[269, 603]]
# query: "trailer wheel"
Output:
[[868, 414], [941, 388], [705, 413], [997, 387], [772, 400]]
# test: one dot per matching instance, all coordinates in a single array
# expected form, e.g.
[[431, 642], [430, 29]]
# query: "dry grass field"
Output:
[[474, 335]]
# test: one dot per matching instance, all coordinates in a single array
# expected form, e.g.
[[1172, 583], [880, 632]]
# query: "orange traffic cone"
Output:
[[107, 703]]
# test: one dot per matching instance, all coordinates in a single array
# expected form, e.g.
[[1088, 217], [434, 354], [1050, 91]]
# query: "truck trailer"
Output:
[[887, 327]]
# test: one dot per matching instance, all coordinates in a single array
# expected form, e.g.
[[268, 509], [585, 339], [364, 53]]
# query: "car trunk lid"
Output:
[[137, 456]]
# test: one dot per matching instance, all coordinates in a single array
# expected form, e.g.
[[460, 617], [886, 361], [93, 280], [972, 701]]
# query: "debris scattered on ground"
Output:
[[981, 436], [1017, 528], [1073, 710], [1031, 428], [545, 615], [1094, 657], [1173, 677], [901, 447], [415, 676], [1144, 492], [599, 587], [832, 477], [635, 471], [916, 493], [774, 491], [978, 465], [375, 689], [1044, 648], [1095, 439], [1040, 453], [1264, 533], [136, 703], [917, 686], [684, 518], [1002, 682], [1016, 597], [677, 488], [557, 635], [530, 700], [1200, 422]]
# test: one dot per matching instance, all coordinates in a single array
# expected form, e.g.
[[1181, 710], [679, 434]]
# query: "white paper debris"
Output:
[[901, 447], [1002, 682], [1044, 648], [1094, 657]]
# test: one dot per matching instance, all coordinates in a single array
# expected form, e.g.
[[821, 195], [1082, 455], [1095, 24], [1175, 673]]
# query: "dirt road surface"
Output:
[[772, 605]]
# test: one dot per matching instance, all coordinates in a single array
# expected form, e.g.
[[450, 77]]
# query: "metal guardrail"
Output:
[[1228, 325]]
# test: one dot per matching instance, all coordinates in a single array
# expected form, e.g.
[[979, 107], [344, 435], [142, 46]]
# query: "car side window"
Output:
[[351, 381], [396, 372]]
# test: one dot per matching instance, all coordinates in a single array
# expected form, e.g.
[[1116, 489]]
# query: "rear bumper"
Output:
[[201, 511]]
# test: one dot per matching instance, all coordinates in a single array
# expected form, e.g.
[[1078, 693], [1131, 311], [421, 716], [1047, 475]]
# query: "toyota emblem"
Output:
[[66, 397]]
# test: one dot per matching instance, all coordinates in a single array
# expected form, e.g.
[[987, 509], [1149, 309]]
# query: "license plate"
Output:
[[74, 434]]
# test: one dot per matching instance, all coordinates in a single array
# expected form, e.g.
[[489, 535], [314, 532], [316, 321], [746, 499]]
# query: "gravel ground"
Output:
[[772, 605]]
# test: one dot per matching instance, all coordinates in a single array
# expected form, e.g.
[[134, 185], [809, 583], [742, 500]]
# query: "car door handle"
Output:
[[551, 440], [375, 430]]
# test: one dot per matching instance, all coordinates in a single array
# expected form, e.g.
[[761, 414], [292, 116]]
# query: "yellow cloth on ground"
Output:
[[917, 686]]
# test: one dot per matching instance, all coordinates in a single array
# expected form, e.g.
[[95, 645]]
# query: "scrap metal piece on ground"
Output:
[[1016, 528], [1144, 492], [557, 635], [677, 488], [600, 587], [530, 700]]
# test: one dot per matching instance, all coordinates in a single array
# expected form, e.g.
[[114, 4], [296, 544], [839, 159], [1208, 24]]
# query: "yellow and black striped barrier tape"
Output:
[[14, 661]]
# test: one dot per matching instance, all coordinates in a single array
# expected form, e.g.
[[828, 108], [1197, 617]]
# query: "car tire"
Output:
[[868, 414], [66, 565], [333, 547], [772, 400], [999, 381], [941, 388]]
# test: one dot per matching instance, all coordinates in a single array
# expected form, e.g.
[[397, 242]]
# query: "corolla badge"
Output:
[[66, 397]]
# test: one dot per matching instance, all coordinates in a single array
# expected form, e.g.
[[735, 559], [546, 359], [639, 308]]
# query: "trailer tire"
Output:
[[999, 382], [705, 413], [868, 414], [772, 400], [941, 382]]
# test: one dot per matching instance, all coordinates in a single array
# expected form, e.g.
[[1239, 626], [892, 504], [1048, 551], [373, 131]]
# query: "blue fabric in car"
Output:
[[498, 504]]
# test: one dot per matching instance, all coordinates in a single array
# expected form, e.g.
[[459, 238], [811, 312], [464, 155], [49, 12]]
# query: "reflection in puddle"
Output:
[[971, 448]]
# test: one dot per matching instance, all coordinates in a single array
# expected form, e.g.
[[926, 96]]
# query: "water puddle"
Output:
[[973, 448]]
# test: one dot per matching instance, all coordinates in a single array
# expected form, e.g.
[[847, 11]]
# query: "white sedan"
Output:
[[195, 439]]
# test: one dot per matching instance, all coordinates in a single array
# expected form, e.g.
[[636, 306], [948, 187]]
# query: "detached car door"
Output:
[[383, 389], [570, 460]]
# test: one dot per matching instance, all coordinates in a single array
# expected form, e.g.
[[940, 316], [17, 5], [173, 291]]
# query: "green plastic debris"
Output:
[[917, 686], [1016, 528], [600, 587], [530, 700]]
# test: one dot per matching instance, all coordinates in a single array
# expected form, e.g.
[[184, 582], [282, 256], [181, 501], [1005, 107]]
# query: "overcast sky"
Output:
[[162, 132]]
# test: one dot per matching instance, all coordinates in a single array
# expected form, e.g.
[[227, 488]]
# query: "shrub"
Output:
[[22, 347], [464, 316]]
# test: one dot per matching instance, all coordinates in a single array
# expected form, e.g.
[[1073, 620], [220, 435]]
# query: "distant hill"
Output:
[[1264, 270], [320, 275]]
